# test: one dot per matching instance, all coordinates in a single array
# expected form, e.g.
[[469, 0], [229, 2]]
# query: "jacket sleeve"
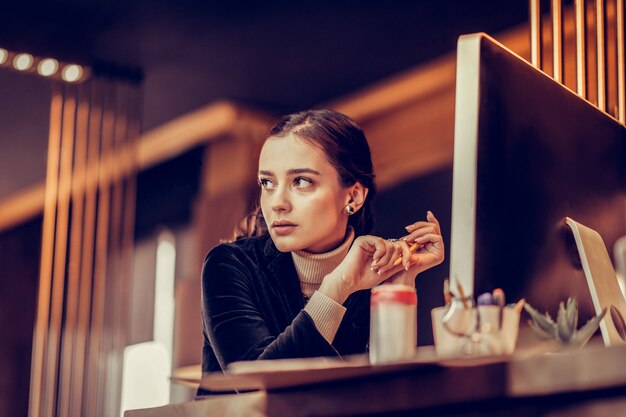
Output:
[[233, 322]]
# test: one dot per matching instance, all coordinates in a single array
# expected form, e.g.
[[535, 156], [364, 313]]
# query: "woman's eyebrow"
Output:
[[293, 171], [303, 171]]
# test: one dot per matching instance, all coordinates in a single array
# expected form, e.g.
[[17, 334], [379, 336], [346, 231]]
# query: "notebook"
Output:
[[602, 281]]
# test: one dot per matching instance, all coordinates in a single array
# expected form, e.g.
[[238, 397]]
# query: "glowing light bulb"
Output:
[[47, 67], [4, 54], [72, 73], [23, 62]]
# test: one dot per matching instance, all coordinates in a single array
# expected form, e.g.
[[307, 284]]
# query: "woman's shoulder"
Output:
[[244, 252], [253, 246], [242, 261]]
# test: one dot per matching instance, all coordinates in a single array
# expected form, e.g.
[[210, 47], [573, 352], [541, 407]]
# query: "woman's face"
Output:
[[301, 197]]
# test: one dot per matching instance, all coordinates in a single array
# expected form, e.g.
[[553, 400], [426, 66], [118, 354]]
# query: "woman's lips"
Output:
[[282, 228]]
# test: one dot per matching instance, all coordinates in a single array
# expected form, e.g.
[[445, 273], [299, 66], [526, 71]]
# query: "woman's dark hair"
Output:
[[345, 147]]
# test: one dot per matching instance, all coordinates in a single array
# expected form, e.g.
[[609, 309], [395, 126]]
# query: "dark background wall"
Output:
[[281, 56], [19, 269]]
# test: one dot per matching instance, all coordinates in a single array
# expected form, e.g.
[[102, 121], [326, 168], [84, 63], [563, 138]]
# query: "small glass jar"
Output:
[[393, 323]]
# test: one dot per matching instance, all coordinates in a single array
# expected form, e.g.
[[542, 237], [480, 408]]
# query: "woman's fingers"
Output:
[[431, 222], [412, 237], [431, 218], [414, 226], [390, 257], [406, 255], [381, 254], [400, 256], [373, 260], [424, 226], [429, 238]]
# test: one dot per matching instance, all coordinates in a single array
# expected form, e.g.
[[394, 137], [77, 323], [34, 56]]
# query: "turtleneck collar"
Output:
[[313, 267]]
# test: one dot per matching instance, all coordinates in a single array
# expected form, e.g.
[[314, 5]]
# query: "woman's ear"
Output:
[[357, 195]]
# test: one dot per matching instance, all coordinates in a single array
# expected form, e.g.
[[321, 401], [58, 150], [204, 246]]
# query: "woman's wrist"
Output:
[[405, 278], [334, 287]]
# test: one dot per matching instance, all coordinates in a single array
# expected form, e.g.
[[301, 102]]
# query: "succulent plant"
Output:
[[565, 328]]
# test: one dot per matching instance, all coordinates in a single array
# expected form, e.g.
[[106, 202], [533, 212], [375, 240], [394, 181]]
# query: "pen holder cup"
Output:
[[479, 331]]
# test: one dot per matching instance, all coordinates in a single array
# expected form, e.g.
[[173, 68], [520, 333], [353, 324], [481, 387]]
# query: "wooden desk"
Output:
[[588, 382]]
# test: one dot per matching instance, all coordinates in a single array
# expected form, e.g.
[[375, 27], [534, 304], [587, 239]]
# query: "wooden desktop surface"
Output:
[[576, 383]]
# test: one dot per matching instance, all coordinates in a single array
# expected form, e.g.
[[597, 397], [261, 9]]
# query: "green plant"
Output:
[[565, 328]]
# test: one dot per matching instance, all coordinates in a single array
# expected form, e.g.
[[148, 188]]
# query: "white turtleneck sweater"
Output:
[[312, 268]]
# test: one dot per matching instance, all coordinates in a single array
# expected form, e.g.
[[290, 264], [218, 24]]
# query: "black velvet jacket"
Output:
[[252, 308]]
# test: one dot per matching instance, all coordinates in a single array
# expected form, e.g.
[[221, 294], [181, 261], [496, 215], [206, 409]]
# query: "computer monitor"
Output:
[[527, 153]]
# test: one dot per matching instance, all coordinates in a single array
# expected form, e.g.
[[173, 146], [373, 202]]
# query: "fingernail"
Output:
[[406, 267], [409, 227]]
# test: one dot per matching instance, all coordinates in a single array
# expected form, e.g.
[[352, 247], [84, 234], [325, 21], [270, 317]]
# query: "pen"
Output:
[[498, 299], [485, 299]]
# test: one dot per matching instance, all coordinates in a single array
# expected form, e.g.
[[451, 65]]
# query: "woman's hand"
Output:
[[368, 263], [429, 254], [373, 260]]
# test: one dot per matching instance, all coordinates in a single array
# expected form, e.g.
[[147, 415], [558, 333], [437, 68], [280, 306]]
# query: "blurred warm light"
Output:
[[163, 328], [23, 62], [47, 67], [72, 73], [145, 376]]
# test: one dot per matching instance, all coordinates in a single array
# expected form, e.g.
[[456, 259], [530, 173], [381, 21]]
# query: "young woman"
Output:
[[296, 282]]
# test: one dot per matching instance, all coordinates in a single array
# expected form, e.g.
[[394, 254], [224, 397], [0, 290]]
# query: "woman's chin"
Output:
[[285, 243]]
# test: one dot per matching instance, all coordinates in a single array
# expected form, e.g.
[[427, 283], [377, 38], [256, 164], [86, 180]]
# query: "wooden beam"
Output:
[[24, 205], [153, 147]]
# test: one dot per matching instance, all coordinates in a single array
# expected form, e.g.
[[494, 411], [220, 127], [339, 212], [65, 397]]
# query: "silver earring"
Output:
[[348, 210]]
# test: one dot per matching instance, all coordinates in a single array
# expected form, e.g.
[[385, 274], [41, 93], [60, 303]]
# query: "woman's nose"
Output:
[[280, 201]]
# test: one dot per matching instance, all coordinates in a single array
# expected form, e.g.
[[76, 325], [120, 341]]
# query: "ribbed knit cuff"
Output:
[[326, 314]]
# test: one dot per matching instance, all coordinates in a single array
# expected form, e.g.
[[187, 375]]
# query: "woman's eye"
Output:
[[302, 182], [266, 184]]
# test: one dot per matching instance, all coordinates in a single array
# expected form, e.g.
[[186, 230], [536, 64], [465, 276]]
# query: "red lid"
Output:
[[394, 294]]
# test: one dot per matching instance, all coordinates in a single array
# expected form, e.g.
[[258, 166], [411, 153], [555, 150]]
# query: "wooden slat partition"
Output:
[[89, 226], [47, 254], [581, 47], [60, 253], [95, 367], [90, 198], [621, 60], [601, 54], [557, 40], [76, 243]]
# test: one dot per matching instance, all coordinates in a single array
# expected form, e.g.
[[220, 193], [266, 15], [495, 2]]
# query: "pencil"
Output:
[[411, 249], [462, 294], [447, 296]]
